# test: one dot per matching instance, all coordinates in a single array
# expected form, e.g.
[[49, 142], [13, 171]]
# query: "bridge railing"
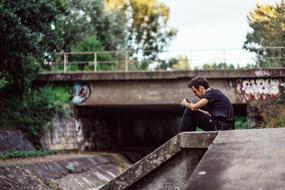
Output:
[[167, 60]]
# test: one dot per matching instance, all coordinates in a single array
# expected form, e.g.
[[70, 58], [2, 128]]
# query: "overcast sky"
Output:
[[210, 24]]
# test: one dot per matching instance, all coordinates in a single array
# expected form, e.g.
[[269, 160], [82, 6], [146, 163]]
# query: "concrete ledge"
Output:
[[160, 156], [237, 159], [242, 159], [196, 140], [159, 75]]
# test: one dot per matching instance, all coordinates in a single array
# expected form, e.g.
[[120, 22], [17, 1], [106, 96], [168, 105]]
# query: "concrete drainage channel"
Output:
[[69, 172], [238, 159], [158, 170], [168, 167]]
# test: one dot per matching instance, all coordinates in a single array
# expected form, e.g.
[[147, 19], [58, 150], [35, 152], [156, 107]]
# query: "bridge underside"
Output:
[[127, 128]]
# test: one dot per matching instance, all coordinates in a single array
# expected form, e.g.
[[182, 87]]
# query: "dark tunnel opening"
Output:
[[132, 128]]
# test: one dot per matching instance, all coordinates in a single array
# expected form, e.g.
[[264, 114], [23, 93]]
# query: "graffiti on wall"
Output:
[[258, 89], [66, 133], [81, 93]]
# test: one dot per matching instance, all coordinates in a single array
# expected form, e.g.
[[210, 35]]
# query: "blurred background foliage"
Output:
[[32, 33], [268, 30]]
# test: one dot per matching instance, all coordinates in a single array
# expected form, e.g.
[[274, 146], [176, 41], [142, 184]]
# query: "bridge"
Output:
[[123, 109], [136, 112], [168, 87]]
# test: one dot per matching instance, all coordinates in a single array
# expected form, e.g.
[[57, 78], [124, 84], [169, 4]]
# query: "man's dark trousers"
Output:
[[193, 119]]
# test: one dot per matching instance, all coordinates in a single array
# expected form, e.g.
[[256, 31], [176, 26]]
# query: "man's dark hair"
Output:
[[199, 81]]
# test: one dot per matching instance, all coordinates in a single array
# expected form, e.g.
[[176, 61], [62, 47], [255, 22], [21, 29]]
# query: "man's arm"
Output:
[[195, 106]]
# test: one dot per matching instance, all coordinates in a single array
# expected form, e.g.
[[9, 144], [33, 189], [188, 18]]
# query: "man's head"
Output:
[[199, 85]]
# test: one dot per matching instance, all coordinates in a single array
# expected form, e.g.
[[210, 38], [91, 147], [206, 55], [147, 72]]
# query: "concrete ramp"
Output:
[[168, 167], [239, 159], [243, 159]]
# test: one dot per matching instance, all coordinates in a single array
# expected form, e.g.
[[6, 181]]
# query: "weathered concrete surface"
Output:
[[169, 87], [239, 159], [65, 132], [173, 173], [150, 75], [158, 159], [11, 140], [243, 159], [82, 172]]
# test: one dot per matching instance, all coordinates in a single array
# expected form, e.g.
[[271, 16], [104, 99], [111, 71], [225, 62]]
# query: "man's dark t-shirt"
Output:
[[218, 105]]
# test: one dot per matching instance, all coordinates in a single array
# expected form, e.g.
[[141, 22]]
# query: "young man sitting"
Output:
[[212, 112]]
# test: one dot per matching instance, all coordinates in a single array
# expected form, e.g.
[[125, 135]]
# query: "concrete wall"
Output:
[[168, 167], [118, 129], [163, 92], [14, 140], [173, 174], [168, 88], [64, 132]]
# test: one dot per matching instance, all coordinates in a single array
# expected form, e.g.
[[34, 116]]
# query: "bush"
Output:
[[32, 113], [272, 112], [241, 123], [273, 118], [25, 154]]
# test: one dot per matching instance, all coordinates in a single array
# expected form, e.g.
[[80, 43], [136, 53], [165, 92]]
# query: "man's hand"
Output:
[[194, 106], [186, 102]]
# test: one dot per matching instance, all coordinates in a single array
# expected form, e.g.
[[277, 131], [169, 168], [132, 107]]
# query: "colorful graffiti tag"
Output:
[[258, 89], [81, 93]]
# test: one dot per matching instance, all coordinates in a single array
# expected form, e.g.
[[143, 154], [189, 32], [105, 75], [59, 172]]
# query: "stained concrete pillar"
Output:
[[253, 116]]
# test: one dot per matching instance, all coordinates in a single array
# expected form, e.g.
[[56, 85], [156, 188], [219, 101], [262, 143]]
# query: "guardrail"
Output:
[[167, 60]]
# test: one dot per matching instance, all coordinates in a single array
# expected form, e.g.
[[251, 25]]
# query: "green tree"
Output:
[[176, 63], [147, 28], [268, 30], [218, 66], [26, 30], [91, 44], [88, 18], [135, 25]]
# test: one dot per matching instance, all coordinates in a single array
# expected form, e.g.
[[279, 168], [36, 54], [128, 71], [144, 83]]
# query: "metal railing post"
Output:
[[95, 61], [64, 62], [190, 61], [224, 55], [258, 60], [126, 61]]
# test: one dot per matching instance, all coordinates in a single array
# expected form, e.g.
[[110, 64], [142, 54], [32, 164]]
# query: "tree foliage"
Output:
[[147, 28], [176, 63], [31, 31], [218, 66], [26, 30], [90, 44], [268, 30], [32, 113], [88, 18]]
